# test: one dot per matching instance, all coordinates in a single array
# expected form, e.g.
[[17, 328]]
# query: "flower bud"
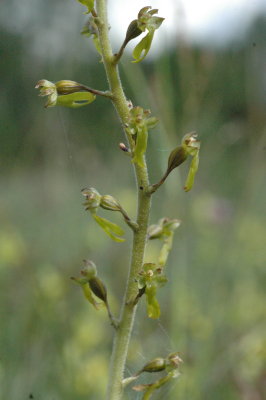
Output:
[[156, 365], [123, 147], [110, 203], [93, 198], [89, 270]]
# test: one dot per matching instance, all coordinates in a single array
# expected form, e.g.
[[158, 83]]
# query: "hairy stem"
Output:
[[128, 309]]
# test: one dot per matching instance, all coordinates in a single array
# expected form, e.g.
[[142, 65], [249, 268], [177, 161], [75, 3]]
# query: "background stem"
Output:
[[128, 309]]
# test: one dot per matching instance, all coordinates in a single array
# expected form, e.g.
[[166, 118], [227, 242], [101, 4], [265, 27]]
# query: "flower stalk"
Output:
[[128, 309], [144, 279]]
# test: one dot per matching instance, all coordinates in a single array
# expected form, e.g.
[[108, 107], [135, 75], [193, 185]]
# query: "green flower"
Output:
[[150, 279], [147, 21], [190, 146], [64, 93]]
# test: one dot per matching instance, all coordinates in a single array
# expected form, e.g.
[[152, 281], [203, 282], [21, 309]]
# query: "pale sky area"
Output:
[[199, 20], [211, 22]]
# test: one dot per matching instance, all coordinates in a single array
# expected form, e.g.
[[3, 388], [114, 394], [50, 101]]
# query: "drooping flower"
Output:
[[65, 93]]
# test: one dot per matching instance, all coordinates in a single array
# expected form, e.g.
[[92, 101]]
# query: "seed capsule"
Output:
[[67, 87], [110, 203], [132, 31], [98, 288], [176, 158]]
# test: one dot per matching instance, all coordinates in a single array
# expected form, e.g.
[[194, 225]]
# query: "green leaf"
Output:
[[192, 172], [143, 47], [87, 3], [75, 100], [110, 228], [141, 146]]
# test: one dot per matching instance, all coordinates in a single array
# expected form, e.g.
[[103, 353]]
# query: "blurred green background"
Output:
[[53, 345]]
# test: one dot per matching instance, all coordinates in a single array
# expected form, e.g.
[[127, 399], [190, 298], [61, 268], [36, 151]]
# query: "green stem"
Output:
[[128, 309], [97, 92]]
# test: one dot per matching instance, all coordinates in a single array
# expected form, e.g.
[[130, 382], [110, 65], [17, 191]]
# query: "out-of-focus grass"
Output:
[[53, 343]]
